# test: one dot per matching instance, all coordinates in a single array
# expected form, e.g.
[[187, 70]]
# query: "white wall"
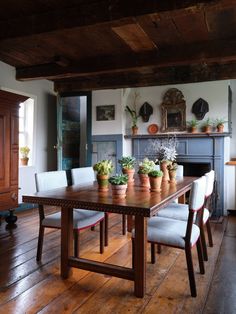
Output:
[[40, 92]]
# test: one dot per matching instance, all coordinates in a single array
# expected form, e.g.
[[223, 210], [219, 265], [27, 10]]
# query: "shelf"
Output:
[[178, 135]]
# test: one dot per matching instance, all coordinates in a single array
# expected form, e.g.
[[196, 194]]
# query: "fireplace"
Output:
[[198, 153]]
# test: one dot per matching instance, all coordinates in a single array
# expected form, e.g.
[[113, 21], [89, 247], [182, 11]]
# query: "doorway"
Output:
[[74, 130]]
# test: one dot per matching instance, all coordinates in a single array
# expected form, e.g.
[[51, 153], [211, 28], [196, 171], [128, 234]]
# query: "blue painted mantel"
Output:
[[201, 150]]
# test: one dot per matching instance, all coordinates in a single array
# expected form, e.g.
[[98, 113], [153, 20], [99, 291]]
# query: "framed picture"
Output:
[[104, 113]]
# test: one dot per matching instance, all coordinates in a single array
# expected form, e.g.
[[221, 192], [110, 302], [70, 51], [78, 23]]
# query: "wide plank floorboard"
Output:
[[30, 287]]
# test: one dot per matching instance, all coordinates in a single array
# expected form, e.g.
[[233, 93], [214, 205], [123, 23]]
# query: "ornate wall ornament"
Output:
[[173, 111], [200, 108], [145, 111]]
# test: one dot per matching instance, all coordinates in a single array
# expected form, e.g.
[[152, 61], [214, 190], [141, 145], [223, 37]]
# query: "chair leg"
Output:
[[133, 249], [200, 256], [203, 241], [102, 236], [208, 226], [190, 271], [76, 243], [40, 243], [158, 248], [124, 224], [106, 229], [153, 256]]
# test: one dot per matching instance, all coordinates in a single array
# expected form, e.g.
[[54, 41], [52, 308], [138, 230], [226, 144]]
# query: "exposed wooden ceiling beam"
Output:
[[84, 14], [164, 76], [218, 51]]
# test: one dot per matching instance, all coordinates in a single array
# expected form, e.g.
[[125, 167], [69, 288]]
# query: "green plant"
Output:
[[24, 151], [155, 173], [127, 162], [192, 123], [219, 121], [146, 166], [118, 179], [207, 122], [133, 114], [103, 167]]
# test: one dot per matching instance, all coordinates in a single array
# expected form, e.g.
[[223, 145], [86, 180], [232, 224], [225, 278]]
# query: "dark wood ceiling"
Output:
[[91, 44]]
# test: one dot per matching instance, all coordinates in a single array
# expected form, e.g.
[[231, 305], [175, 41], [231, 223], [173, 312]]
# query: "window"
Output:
[[26, 118]]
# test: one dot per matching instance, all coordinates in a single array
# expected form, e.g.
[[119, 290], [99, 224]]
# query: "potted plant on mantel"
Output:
[[127, 166], [219, 123], [145, 167], [24, 152], [119, 185], [155, 177], [207, 125], [192, 125], [133, 113], [103, 169]]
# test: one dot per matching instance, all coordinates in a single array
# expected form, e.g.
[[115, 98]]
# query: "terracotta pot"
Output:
[[220, 128], [144, 180], [24, 161], [155, 183], [102, 182], [207, 129], [193, 129], [119, 191], [134, 130], [164, 169], [130, 173], [172, 175]]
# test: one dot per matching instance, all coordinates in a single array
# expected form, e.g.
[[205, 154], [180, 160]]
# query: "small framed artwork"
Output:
[[105, 113]]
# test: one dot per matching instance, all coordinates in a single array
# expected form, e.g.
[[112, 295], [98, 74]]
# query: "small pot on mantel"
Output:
[[220, 128], [134, 130]]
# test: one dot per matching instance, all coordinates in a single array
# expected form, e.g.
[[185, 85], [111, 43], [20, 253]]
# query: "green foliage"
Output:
[[146, 166], [127, 162], [103, 167], [207, 122], [133, 114], [155, 173], [118, 179], [24, 151], [192, 123], [219, 121]]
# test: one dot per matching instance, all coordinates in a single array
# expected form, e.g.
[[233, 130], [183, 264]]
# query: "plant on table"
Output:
[[119, 185], [155, 177], [127, 165], [172, 171], [145, 167], [103, 169]]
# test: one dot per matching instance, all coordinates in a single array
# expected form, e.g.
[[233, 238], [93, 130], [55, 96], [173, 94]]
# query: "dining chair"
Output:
[[85, 175], [181, 234], [82, 219], [180, 212]]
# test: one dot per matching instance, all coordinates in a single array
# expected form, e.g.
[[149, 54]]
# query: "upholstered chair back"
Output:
[[82, 175], [180, 171], [50, 180], [210, 177], [197, 194]]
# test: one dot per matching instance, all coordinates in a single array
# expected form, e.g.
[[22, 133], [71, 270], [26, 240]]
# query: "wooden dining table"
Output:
[[139, 203]]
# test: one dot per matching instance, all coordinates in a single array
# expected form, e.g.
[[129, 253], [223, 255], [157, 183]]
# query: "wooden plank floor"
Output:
[[29, 287]]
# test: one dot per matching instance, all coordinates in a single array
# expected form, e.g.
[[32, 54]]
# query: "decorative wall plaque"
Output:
[[173, 111]]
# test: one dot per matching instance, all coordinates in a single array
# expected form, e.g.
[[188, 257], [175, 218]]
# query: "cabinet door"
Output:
[[14, 147], [4, 150]]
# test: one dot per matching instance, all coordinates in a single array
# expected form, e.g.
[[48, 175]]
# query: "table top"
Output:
[[139, 201]]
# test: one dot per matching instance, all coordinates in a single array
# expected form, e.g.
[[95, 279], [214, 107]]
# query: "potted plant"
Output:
[[172, 171], [192, 125], [145, 167], [207, 125], [103, 169], [127, 166], [133, 113], [167, 155], [219, 123], [24, 152], [155, 177], [119, 185]]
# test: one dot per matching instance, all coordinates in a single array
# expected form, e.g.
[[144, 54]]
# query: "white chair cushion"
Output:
[[197, 194], [180, 212], [82, 175], [170, 232], [50, 180], [82, 219]]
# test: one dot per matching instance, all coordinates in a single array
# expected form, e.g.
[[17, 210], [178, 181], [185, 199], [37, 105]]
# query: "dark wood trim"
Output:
[[102, 268], [67, 240]]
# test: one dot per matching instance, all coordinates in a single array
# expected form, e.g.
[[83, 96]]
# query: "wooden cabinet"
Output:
[[9, 148]]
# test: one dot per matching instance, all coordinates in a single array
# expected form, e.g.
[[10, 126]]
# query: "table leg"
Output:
[[182, 199], [140, 253], [130, 223], [66, 240]]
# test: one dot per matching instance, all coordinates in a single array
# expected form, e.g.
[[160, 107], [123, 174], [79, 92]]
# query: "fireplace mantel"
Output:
[[193, 148], [178, 135]]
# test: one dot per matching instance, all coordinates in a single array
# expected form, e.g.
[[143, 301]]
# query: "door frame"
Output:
[[88, 94]]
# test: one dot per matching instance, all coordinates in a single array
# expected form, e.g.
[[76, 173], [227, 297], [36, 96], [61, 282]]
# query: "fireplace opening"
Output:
[[192, 169]]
